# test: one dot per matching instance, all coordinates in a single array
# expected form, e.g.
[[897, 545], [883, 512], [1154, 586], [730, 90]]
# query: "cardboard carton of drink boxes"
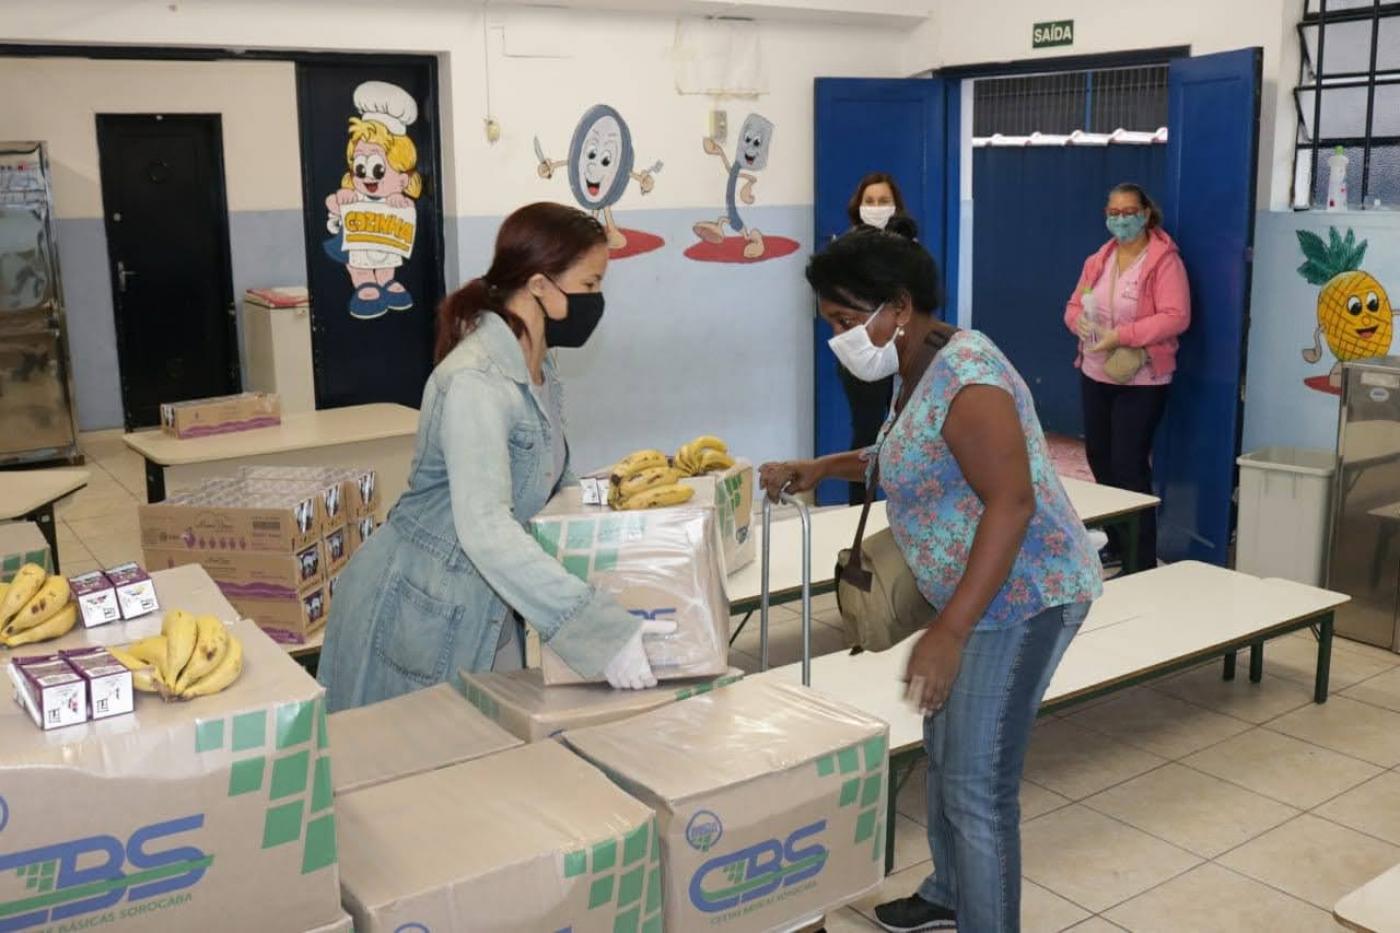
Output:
[[770, 802], [22, 543], [533, 838], [224, 414], [660, 564], [211, 814]]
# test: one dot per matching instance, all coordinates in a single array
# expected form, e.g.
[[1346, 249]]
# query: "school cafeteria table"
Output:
[[1374, 907], [1145, 626], [379, 436], [29, 496], [834, 529]]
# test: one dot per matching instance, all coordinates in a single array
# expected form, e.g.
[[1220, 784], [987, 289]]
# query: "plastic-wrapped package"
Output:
[[660, 564]]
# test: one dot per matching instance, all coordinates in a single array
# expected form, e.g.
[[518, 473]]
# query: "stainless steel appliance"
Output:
[[37, 421], [1365, 556]]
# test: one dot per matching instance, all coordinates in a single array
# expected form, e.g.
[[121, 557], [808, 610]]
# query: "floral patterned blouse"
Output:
[[934, 513]]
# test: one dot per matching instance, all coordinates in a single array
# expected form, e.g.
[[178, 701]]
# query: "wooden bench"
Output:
[[29, 496], [1146, 626], [381, 436], [1374, 907]]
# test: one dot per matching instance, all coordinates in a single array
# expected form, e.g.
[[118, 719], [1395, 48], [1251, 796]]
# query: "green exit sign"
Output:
[[1049, 35]]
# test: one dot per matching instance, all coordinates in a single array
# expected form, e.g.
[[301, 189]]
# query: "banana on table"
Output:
[[191, 657], [648, 479], [35, 607]]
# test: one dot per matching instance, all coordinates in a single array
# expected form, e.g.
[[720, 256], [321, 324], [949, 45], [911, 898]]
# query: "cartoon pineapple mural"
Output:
[[1353, 309]]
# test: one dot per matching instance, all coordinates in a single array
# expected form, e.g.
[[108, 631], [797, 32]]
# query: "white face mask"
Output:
[[876, 215], [861, 357]]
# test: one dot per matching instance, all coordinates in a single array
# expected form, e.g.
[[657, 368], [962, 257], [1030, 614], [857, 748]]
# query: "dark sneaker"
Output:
[[914, 915]]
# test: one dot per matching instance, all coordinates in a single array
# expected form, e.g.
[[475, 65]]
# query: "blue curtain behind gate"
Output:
[[1037, 214]]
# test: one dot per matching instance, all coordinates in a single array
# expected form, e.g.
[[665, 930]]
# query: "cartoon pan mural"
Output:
[[751, 157], [600, 163], [1354, 313], [371, 216]]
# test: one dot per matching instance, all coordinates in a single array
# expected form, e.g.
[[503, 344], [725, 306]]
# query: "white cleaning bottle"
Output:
[[1337, 180], [1091, 317]]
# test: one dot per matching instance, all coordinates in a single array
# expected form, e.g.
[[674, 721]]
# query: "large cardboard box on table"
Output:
[[529, 839], [732, 491], [349, 491], [213, 814], [22, 543], [521, 703], [229, 515], [222, 414], [409, 734], [660, 564], [770, 802]]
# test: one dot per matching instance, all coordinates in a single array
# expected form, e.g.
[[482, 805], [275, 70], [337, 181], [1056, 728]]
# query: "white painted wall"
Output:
[[961, 32], [257, 101]]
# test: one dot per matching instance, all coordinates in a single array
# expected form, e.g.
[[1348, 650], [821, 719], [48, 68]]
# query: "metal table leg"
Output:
[[743, 622], [155, 481], [43, 517], [1256, 662], [901, 769], [1229, 672], [1324, 658], [1131, 526]]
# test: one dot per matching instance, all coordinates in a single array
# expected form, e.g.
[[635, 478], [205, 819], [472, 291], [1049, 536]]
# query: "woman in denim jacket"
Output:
[[444, 585]]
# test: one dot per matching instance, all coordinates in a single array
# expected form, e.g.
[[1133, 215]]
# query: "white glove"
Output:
[[629, 669]]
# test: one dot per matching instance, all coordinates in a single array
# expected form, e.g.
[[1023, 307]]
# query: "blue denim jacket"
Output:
[[428, 593]]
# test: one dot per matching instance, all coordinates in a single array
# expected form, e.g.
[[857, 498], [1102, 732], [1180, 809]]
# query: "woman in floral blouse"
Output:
[[986, 527]]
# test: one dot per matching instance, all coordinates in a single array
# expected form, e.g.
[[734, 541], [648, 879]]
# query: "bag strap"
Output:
[[854, 573]]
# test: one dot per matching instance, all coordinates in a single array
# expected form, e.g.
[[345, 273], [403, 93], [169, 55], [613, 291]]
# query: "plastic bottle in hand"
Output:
[[1090, 316]]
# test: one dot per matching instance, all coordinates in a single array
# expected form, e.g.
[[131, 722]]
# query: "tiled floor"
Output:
[[1191, 804]]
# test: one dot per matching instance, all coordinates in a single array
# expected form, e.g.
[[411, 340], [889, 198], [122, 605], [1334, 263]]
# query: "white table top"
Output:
[[1374, 907], [1143, 622], [835, 529], [24, 491], [301, 431]]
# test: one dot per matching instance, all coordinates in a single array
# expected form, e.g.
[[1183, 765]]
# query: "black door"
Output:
[[372, 300], [167, 242]]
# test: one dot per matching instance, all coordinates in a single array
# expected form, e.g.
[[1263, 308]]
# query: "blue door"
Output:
[[1209, 203], [866, 125]]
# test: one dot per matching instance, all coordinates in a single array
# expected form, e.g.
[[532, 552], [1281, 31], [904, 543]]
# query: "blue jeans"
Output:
[[976, 749]]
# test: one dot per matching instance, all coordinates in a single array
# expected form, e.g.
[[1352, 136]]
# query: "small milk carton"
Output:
[[49, 690], [96, 598], [136, 593], [108, 682]]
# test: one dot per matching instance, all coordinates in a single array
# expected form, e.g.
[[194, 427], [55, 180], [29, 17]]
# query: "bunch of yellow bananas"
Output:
[[191, 657], [35, 607], [646, 480], [705, 454]]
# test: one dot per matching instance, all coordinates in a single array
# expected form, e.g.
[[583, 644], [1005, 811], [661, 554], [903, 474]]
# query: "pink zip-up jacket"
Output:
[[1164, 301]]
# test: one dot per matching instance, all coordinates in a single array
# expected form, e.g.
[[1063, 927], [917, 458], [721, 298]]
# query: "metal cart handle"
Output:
[[806, 518]]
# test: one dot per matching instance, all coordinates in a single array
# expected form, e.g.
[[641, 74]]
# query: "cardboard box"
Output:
[[51, 692], [420, 731], [343, 925], [249, 574], [223, 414], [662, 564], [288, 619], [770, 802], [224, 517], [359, 530], [108, 682], [336, 546], [214, 814], [330, 488], [96, 598], [732, 491], [356, 488], [136, 594], [523, 706], [529, 839], [22, 543]]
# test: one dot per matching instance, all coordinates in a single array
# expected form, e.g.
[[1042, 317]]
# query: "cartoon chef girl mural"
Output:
[[372, 215]]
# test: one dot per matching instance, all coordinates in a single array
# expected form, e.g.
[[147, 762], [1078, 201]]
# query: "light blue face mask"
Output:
[[1126, 227]]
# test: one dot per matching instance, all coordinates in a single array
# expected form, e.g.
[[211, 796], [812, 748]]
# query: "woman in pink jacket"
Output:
[[1141, 303]]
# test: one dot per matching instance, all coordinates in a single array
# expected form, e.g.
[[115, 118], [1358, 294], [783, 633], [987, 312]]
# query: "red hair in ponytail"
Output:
[[543, 238]]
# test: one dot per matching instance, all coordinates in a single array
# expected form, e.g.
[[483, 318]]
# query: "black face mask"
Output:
[[583, 311]]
